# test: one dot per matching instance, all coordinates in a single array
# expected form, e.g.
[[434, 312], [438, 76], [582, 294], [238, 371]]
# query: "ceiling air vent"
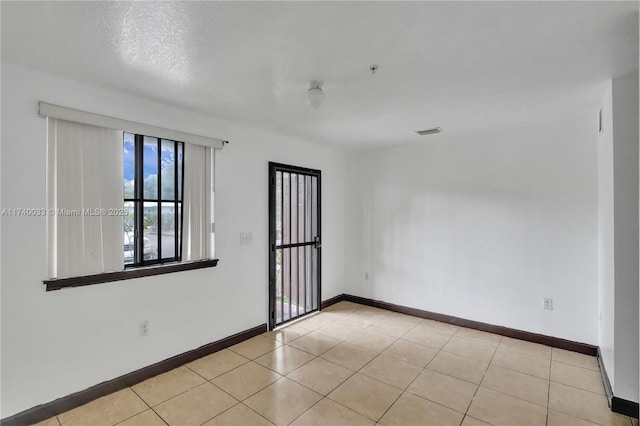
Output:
[[433, 131]]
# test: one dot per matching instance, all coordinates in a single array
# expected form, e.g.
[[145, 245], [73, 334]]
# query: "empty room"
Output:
[[319, 213]]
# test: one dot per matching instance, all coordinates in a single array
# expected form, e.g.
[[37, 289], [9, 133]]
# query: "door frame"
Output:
[[286, 168]]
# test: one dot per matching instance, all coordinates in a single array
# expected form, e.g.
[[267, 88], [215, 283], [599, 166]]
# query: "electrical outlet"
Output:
[[548, 303], [246, 238], [144, 328], [366, 275]]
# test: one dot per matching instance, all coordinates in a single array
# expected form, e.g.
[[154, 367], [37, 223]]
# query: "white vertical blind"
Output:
[[85, 231], [197, 207]]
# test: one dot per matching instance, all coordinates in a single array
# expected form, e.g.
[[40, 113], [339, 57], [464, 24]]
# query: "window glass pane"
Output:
[[168, 235], [314, 206], [129, 234], [301, 207], [150, 231], [294, 209], [155, 236], [278, 208], [309, 278], [313, 296], [286, 209], [295, 281], [279, 291], [129, 164], [179, 213], [168, 164], [180, 160], [286, 286], [150, 167], [308, 201]]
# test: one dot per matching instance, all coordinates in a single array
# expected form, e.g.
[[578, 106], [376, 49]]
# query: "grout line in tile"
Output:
[[219, 414], [548, 394], [316, 403], [191, 369], [481, 380], [285, 375], [323, 396], [549, 386], [245, 405], [581, 418], [234, 405], [235, 368], [577, 366], [150, 407], [434, 402], [241, 400], [349, 408], [287, 344], [175, 396], [481, 342], [449, 375], [468, 357], [138, 395], [580, 389], [389, 408], [525, 352], [513, 396], [372, 378], [520, 372], [414, 379]]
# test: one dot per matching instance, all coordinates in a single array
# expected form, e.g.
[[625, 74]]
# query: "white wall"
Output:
[[57, 343], [606, 264], [482, 227], [618, 236], [625, 175]]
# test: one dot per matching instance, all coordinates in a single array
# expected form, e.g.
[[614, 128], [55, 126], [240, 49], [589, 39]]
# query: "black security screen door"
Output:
[[294, 242]]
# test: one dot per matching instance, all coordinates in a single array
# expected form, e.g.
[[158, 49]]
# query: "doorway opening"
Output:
[[294, 243]]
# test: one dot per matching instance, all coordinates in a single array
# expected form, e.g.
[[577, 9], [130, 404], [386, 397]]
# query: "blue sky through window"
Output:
[[149, 157], [129, 157], [150, 165]]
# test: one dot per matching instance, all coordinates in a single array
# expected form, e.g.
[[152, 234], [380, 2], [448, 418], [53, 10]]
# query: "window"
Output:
[[121, 200], [153, 187]]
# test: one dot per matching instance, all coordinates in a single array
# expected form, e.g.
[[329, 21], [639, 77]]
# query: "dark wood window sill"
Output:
[[127, 274]]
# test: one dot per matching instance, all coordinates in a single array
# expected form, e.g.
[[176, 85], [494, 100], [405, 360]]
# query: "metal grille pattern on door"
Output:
[[294, 252]]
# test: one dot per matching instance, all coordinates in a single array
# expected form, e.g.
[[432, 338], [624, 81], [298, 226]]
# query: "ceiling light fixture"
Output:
[[315, 95], [432, 131]]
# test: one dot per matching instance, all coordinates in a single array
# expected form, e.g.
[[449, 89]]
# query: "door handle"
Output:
[[316, 242]]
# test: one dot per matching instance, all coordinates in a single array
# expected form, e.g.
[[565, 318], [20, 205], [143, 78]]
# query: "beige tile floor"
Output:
[[357, 365]]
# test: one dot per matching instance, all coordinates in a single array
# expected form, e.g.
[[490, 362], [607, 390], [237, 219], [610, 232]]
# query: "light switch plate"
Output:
[[246, 238]]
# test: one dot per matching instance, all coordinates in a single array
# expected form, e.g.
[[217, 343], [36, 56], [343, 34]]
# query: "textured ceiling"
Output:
[[465, 66]]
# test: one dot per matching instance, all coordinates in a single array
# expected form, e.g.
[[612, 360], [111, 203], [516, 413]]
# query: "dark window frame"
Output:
[[139, 202], [148, 269]]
